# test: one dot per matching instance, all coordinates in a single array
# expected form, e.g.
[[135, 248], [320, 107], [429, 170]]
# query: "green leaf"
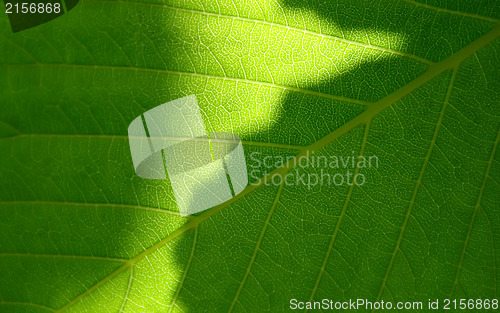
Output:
[[414, 85]]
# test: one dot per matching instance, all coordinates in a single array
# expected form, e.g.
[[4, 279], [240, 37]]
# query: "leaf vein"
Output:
[[186, 270], [418, 182], [453, 12], [94, 204], [341, 217], [208, 76], [271, 24], [476, 210], [63, 256], [259, 242]]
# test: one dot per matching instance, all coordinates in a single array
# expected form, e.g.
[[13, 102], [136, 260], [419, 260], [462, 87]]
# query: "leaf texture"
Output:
[[413, 83]]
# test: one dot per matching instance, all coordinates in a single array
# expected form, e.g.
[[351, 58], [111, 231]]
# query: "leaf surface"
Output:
[[414, 84]]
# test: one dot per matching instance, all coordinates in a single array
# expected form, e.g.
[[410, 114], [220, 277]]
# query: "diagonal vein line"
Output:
[[248, 143], [477, 207], [38, 306], [341, 217], [95, 204], [433, 71], [271, 24], [453, 12], [128, 288], [419, 182], [361, 119], [14, 43], [492, 238], [259, 242], [186, 270], [11, 127], [63, 256], [208, 76]]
